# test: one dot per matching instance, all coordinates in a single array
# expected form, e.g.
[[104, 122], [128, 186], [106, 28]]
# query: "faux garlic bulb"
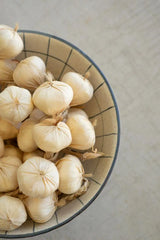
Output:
[[15, 104], [76, 111], [10, 42], [11, 150], [8, 176], [41, 209], [81, 86], [53, 97], [12, 213], [37, 115], [82, 131], [38, 177], [30, 73], [50, 137], [25, 137], [1, 147], [28, 155], [7, 129], [70, 174], [6, 69]]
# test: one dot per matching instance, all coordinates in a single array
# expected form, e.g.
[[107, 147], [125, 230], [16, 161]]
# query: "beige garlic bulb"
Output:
[[25, 136], [37, 115], [14, 151], [30, 73], [38, 177], [6, 69], [15, 104], [11, 43], [82, 131], [8, 176], [76, 111], [70, 174], [7, 129], [52, 97], [41, 209], [52, 137], [28, 155], [81, 86], [12, 213], [1, 147]]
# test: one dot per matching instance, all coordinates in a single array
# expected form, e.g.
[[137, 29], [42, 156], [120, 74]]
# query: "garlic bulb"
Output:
[[41, 209], [10, 42], [82, 131], [8, 176], [7, 129], [25, 137], [28, 155], [1, 147], [70, 174], [6, 69], [30, 73], [11, 150], [81, 86], [37, 115], [53, 97], [50, 137], [76, 111], [15, 104], [12, 213], [38, 177]]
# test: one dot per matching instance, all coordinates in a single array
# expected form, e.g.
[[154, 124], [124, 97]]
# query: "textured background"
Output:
[[123, 38]]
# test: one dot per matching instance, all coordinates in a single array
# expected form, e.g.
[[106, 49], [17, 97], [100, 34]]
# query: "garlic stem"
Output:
[[16, 27], [86, 75], [87, 175]]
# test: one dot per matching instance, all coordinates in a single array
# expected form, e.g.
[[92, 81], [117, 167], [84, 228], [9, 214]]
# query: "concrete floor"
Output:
[[122, 37]]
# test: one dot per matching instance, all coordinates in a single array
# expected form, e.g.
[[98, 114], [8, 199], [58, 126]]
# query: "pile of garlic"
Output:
[[43, 138]]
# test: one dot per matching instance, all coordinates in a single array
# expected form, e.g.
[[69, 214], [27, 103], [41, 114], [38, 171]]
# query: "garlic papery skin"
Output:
[[6, 69], [81, 86], [7, 129], [38, 177], [30, 73], [25, 136], [15, 104], [14, 151], [28, 155], [8, 173], [41, 210], [1, 147], [12, 213], [70, 174], [37, 115], [76, 111], [53, 97], [50, 137], [82, 131], [11, 43]]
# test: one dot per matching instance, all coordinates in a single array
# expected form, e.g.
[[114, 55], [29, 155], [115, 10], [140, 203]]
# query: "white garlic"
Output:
[[10, 42], [70, 174], [11, 150], [41, 209], [50, 137], [6, 69], [53, 97], [37, 115], [15, 104], [30, 73], [8, 173], [25, 136], [38, 177], [82, 131], [76, 111], [7, 129], [1, 147], [28, 155], [12, 213], [81, 86]]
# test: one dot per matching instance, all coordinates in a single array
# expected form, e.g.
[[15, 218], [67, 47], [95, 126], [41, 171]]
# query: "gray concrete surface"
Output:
[[123, 38]]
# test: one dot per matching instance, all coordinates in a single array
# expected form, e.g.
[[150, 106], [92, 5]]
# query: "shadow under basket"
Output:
[[61, 57]]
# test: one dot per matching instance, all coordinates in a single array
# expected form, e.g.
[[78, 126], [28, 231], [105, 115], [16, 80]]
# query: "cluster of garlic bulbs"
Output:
[[38, 125]]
